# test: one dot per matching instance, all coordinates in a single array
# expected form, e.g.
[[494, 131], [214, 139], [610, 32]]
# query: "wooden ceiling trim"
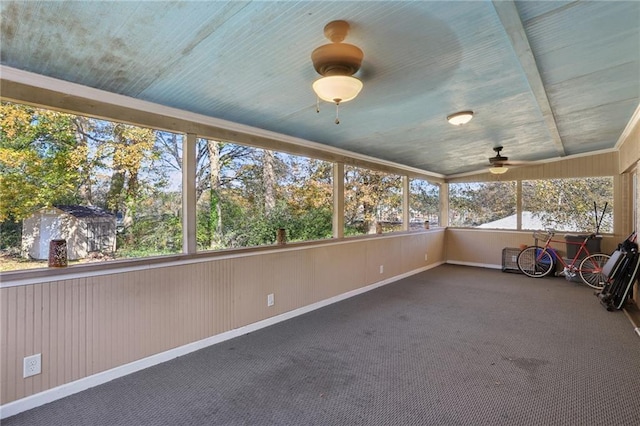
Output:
[[510, 18]]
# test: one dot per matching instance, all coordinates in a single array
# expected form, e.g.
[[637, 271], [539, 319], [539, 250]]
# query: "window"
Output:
[[568, 204], [107, 188], [373, 201], [245, 194], [424, 203], [483, 205]]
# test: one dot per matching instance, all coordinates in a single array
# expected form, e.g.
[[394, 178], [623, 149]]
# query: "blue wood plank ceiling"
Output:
[[545, 79]]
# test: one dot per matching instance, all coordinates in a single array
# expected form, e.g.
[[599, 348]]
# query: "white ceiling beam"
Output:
[[510, 18]]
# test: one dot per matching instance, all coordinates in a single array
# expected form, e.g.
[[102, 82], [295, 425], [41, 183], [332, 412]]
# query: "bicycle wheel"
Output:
[[535, 262], [591, 270]]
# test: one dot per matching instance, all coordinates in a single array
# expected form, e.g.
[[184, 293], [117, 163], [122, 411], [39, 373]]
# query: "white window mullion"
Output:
[[338, 200], [444, 204], [405, 203], [519, 205], [189, 193]]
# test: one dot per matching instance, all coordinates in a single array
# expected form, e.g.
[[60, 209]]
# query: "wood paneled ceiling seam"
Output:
[[510, 19]]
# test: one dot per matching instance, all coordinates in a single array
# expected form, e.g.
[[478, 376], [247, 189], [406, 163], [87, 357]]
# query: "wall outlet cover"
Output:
[[32, 365]]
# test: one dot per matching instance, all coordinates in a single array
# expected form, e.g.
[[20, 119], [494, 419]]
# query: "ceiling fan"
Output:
[[336, 62], [499, 162]]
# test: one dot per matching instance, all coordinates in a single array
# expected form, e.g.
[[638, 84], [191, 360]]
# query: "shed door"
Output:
[[50, 229]]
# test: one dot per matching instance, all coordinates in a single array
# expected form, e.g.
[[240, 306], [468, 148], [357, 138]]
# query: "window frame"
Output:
[[154, 117]]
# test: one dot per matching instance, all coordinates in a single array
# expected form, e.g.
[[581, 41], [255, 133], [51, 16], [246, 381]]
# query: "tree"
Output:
[[268, 181], [38, 160], [215, 209], [371, 197], [90, 156], [472, 204], [308, 191], [217, 169], [260, 191], [48, 157], [568, 203], [424, 200], [131, 147]]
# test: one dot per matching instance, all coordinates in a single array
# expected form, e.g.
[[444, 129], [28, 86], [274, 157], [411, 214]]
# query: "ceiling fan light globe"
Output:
[[337, 88], [498, 170]]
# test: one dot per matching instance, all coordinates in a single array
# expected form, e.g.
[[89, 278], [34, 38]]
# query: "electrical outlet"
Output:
[[425, 256], [32, 365], [514, 258], [270, 299], [381, 269]]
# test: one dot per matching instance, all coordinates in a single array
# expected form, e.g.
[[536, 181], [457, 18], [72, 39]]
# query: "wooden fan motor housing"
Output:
[[337, 58]]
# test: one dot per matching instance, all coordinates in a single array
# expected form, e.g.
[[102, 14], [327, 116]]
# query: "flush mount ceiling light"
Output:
[[460, 118], [336, 62]]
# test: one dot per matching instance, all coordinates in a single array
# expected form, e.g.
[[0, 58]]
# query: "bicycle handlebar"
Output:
[[543, 235]]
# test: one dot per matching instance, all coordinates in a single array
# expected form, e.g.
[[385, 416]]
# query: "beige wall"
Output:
[[83, 326], [629, 164], [483, 247], [630, 148]]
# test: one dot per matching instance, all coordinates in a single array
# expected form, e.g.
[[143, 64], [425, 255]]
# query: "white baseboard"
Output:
[[478, 265], [59, 392]]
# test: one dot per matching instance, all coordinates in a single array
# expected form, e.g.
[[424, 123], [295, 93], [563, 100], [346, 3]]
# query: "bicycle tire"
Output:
[[535, 262], [591, 270]]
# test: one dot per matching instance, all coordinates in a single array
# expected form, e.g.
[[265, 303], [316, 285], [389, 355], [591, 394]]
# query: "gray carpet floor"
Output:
[[451, 346]]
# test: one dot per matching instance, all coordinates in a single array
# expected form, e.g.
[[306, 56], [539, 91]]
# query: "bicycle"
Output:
[[539, 261]]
